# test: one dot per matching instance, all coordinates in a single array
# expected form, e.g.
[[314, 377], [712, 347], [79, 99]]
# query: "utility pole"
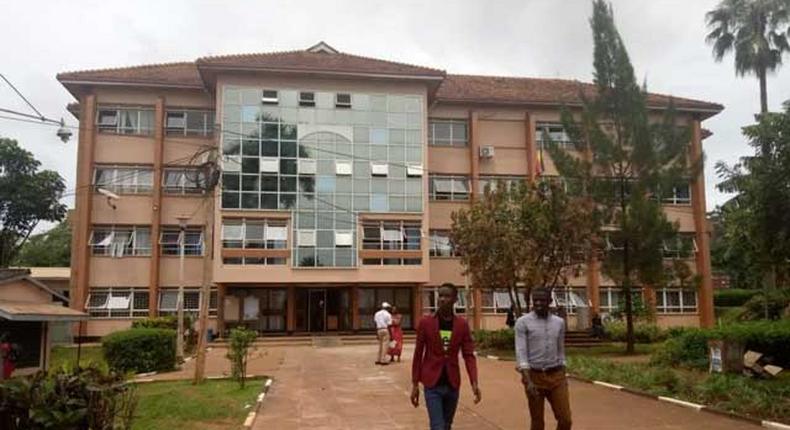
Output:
[[205, 290], [182, 224]]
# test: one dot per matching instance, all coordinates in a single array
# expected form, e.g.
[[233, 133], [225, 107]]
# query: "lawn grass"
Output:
[[215, 404], [763, 399], [62, 355]]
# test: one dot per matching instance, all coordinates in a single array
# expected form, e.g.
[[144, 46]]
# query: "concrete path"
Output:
[[341, 388]]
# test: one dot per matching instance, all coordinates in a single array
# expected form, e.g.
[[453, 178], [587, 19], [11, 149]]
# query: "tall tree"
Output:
[[756, 31], [27, 196], [758, 223], [49, 249], [526, 234], [622, 161]]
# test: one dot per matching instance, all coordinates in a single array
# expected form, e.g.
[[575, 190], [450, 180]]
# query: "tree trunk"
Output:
[[513, 292], [763, 91], [629, 306]]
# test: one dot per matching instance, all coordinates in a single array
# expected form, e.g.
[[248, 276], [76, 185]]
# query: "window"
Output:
[[270, 97], [680, 194], [570, 298], [612, 298], [189, 123], [498, 301], [124, 180], [430, 298], [117, 241], [379, 169], [676, 300], [392, 236], [343, 101], [344, 238], [370, 300], [306, 238], [440, 244], [447, 132], [684, 245], [454, 188], [306, 167], [117, 302], [307, 99], [270, 164], [254, 234], [553, 132], [171, 238], [168, 301], [184, 181], [414, 170], [343, 168], [492, 182], [125, 120]]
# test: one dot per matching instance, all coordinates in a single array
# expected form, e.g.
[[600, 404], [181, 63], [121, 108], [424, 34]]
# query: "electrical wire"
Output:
[[22, 97]]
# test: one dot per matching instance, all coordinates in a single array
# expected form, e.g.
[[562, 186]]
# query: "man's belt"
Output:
[[548, 369]]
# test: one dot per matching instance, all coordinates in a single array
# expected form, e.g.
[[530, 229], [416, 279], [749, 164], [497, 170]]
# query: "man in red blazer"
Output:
[[439, 339]]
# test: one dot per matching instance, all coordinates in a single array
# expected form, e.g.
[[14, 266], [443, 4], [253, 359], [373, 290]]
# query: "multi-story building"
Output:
[[338, 177]]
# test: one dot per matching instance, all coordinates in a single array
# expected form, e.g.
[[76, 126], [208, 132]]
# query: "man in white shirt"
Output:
[[383, 320]]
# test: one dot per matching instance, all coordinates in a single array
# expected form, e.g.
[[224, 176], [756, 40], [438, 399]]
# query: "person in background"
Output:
[[440, 337], [597, 326], [396, 336], [383, 320], [540, 353], [510, 321]]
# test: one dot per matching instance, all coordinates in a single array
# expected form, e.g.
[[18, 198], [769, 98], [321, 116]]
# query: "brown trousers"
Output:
[[552, 386]]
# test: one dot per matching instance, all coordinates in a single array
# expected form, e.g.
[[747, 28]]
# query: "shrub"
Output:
[[643, 332], [241, 340], [503, 339], [689, 347], [140, 350], [778, 300], [78, 399], [170, 322], [733, 297]]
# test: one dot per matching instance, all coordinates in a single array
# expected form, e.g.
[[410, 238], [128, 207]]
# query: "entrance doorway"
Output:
[[316, 314], [321, 310]]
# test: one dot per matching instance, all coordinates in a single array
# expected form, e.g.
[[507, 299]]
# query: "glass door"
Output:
[[316, 310]]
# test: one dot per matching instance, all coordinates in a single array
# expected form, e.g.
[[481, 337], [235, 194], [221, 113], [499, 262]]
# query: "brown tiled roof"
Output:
[[318, 62], [22, 311], [516, 90], [175, 74]]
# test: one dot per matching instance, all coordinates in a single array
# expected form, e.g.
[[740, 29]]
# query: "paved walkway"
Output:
[[341, 388]]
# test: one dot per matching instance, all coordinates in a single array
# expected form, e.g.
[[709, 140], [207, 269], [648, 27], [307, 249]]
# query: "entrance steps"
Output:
[[301, 339], [581, 339]]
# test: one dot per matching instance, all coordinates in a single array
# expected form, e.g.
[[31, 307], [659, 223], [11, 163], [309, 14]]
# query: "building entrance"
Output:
[[321, 310]]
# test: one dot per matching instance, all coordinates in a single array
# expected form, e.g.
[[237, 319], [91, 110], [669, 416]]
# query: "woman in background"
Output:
[[396, 339]]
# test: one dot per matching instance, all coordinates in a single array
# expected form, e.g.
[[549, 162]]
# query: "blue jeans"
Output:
[[441, 402]]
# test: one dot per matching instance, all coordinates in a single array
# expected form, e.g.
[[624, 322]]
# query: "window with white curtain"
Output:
[[117, 302], [120, 241], [124, 179]]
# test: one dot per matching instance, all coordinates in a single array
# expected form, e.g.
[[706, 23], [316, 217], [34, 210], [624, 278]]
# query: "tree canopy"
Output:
[[27, 196], [624, 162], [49, 249]]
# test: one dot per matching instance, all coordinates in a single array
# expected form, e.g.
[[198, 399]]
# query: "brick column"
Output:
[[705, 296], [594, 284], [222, 291], [532, 150], [83, 206], [156, 205], [474, 158], [477, 298]]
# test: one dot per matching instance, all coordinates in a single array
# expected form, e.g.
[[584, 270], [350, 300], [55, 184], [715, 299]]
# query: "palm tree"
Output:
[[757, 31]]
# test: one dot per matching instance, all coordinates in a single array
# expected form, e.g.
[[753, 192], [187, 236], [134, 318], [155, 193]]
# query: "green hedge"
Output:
[[140, 350], [733, 297], [643, 332], [503, 339], [778, 300], [170, 322], [689, 347]]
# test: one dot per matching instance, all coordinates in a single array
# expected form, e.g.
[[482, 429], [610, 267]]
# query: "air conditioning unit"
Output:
[[486, 152]]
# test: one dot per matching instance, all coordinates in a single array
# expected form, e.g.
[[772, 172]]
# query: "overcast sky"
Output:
[[534, 38]]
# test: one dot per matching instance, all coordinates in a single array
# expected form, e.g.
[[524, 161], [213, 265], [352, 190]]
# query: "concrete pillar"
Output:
[[532, 150], [474, 151], [355, 307], [222, 291], [290, 309], [83, 202], [156, 206], [416, 311], [705, 296]]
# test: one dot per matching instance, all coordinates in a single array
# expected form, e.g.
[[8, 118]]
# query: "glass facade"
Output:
[[324, 162]]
